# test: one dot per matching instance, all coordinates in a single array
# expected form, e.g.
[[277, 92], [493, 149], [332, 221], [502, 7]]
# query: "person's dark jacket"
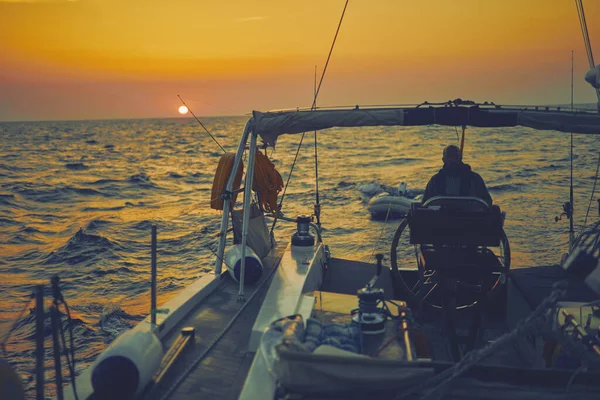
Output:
[[457, 181]]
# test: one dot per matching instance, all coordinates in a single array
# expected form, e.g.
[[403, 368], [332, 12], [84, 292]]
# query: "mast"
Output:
[[571, 201]]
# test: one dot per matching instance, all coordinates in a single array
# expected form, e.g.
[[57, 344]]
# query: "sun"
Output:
[[183, 110]]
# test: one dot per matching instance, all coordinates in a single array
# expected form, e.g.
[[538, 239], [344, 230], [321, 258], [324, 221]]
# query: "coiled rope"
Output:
[[267, 182]]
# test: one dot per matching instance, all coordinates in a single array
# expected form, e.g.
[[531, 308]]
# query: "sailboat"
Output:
[[380, 329]]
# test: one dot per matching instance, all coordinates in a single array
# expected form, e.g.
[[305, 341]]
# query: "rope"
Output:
[[287, 184], [592, 196], [267, 182]]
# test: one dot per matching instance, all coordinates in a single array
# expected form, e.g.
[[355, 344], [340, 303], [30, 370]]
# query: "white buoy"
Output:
[[253, 266], [126, 367], [402, 189]]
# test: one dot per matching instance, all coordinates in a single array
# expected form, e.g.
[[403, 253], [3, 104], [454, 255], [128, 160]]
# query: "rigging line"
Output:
[[286, 185], [593, 192], [318, 203], [571, 199], [329, 55], [583, 26], [202, 125], [312, 107]]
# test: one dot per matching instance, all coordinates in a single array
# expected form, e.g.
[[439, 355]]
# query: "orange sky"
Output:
[[81, 59]]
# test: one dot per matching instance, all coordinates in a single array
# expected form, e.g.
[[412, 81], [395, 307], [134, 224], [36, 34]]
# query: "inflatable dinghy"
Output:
[[398, 206], [386, 205]]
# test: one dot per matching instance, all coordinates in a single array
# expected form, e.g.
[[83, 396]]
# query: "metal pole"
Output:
[[246, 219], [227, 202], [55, 320], [571, 200], [39, 342], [153, 279]]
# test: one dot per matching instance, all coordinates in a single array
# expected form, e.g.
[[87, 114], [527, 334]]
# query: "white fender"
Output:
[[253, 266], [126, 367]]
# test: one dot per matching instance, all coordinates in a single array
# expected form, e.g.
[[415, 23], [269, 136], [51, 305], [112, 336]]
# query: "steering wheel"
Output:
[[416, 285]]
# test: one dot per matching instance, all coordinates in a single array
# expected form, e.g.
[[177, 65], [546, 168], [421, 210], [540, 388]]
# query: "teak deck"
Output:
[[222, 370]]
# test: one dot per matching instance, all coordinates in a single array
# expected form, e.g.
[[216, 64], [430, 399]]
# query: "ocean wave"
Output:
[[144, 225], [141, 179], [14, 168], [76, 166], [507, 187], [174, 175], [9, 222], [44, 193], [114, 321], [96, 224], [25, 328], [116, 208], [119, 270], [83, 248]]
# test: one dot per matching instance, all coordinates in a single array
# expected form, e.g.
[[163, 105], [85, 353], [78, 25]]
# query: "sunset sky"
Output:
[[92, 59]]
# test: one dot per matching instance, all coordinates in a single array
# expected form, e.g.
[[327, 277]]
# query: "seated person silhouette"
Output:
[[456, 179]]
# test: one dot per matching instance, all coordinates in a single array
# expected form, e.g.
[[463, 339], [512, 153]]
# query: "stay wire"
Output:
[[584, 32], [593, 192], [312, 108], [286, 185], [202, 125], [329, 55], [318, 202]]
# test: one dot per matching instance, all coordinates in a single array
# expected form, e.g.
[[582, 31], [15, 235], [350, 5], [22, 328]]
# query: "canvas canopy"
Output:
[[270, 125]]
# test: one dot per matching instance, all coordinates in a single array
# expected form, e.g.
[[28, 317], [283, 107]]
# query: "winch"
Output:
[[303, 237], [370, 313]]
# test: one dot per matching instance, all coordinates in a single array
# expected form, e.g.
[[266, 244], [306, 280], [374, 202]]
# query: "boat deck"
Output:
[[216, 364]]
